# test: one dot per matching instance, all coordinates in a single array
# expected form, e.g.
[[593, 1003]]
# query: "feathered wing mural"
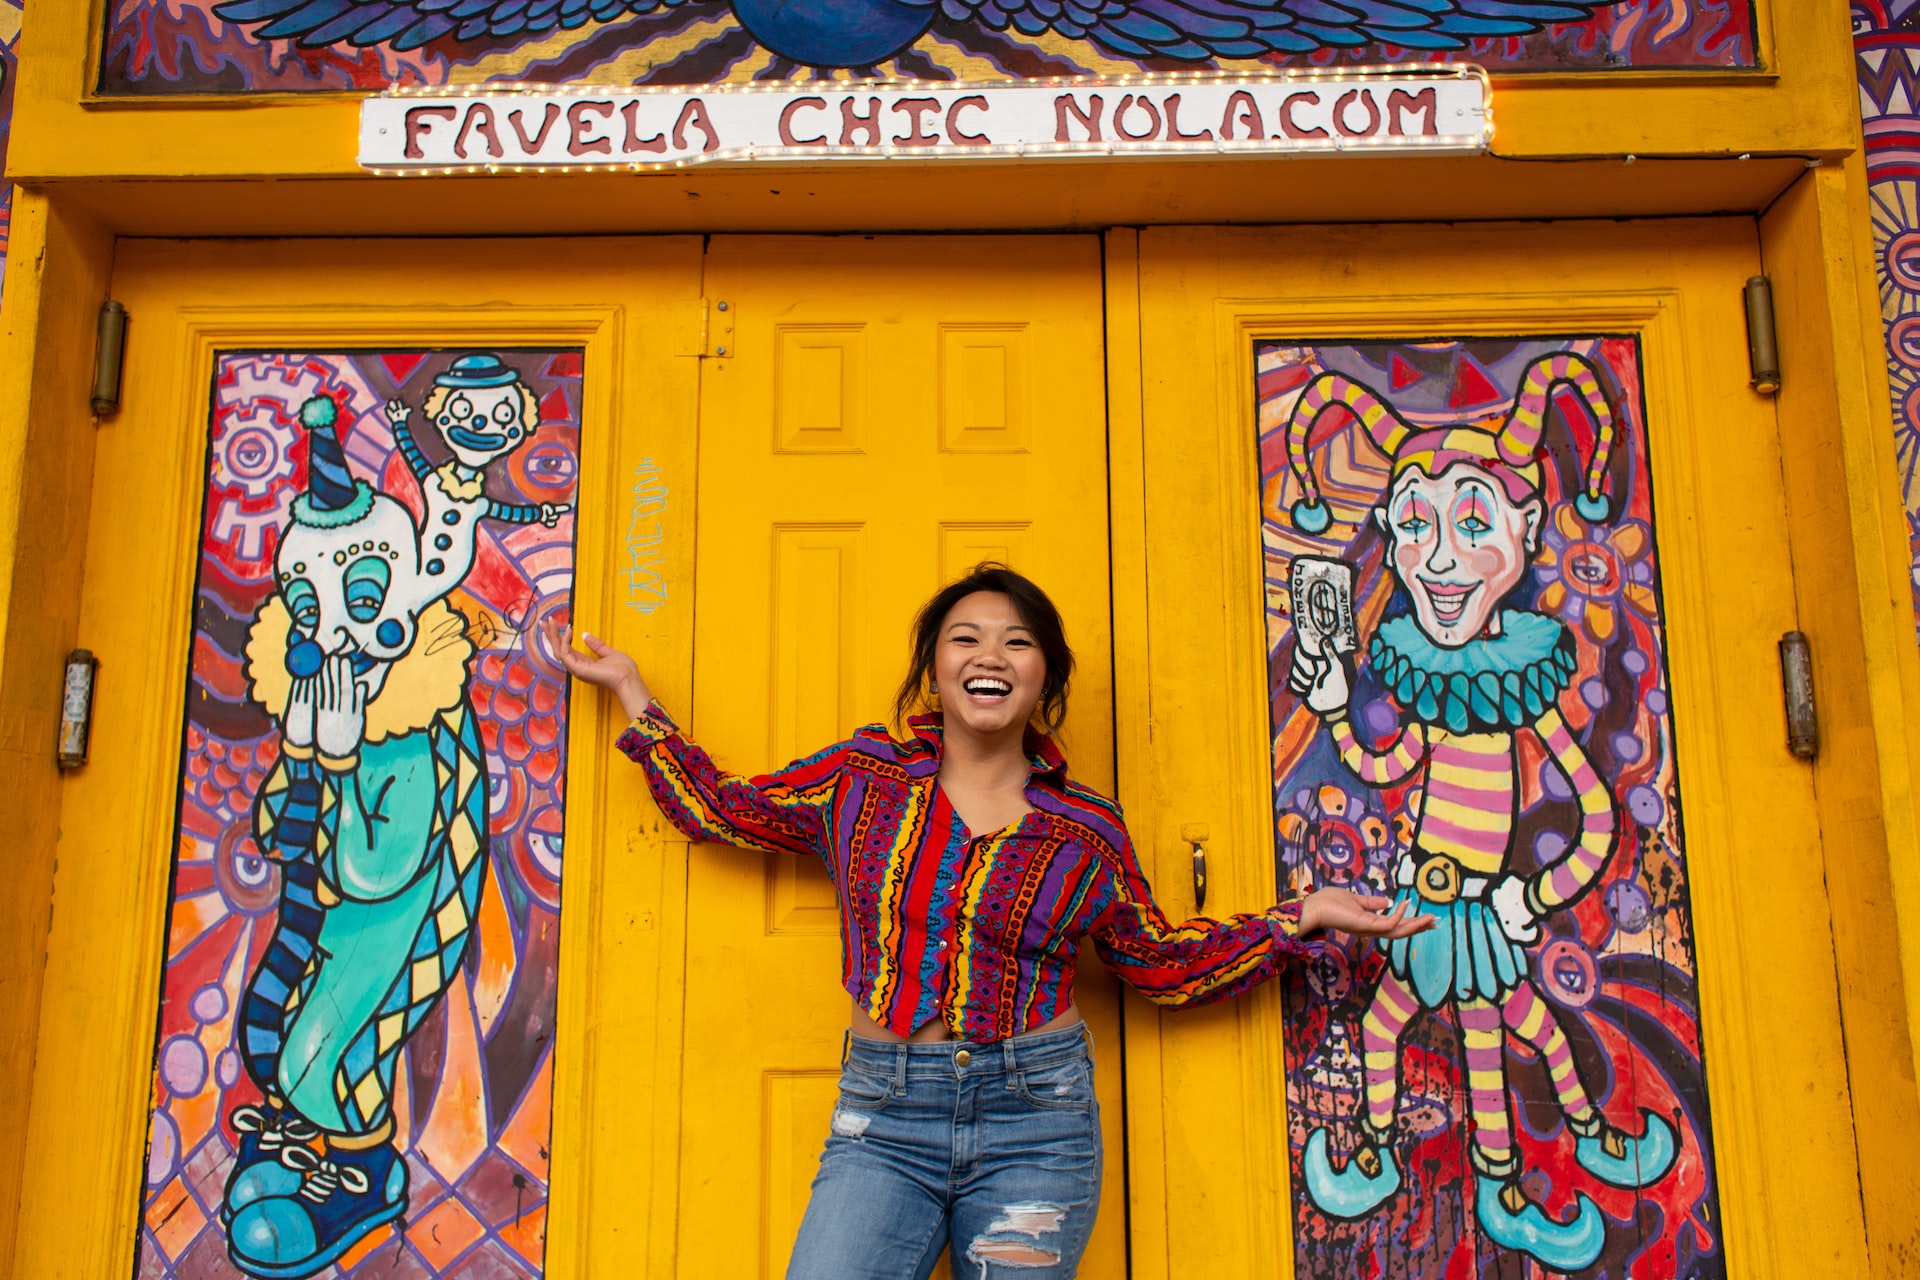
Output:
[[851, 33], [179, 46]]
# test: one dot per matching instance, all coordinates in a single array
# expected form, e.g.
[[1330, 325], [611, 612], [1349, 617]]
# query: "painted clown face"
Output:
[[479, 423], [1459, 546], [351, 588]]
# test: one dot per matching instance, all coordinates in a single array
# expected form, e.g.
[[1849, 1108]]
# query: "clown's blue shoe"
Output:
[[342, 1196], [1355, 1191], [1514, 1222], [257, 1168], [1620, 1161]]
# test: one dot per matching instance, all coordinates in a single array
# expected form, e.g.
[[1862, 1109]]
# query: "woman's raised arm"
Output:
[[783, 812], [601, 664]]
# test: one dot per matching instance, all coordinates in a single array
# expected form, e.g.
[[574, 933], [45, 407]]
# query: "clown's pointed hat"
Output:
[[1508, 448], [333, 497]]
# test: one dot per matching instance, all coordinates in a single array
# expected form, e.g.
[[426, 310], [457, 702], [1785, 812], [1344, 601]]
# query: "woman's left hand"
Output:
[[1359, 913]]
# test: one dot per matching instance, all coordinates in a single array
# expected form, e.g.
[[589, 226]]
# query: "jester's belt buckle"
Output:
[[1437, 879]]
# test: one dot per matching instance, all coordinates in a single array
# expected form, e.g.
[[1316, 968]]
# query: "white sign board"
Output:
[[576, 127]]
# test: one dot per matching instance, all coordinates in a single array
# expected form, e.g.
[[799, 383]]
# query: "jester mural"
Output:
[[1886, 38], [1489, 569], [11, 12], [400, 950], [227, 46]]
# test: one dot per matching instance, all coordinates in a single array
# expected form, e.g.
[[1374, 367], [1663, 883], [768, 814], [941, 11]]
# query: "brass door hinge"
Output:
[[706, 329], [1796, 681]]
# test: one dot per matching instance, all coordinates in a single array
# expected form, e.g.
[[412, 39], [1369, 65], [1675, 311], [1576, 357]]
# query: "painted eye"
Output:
[[303, 602], [1473, 514], [1413, 518], [366, 587], [460, 407], [504, 412]]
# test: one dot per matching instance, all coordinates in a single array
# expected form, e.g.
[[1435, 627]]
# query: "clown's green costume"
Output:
[[376, 811]]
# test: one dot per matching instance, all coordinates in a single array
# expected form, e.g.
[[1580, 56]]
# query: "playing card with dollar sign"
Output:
[[1323, 604]]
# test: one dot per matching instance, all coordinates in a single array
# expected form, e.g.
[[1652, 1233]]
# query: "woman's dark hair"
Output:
[[1029, 601]]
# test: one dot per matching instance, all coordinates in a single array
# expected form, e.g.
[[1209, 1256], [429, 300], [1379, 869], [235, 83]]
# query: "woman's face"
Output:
[[1459, 546], [987, 665]]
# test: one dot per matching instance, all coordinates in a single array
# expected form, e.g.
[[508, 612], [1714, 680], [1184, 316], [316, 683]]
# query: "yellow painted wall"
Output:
[[92, 172]]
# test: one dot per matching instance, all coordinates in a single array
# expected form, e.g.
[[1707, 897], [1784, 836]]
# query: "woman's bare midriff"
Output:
[[933, 1032]]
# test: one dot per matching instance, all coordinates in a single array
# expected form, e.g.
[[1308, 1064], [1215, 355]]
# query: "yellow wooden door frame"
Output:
[[1782, 1122], [617, 1054]]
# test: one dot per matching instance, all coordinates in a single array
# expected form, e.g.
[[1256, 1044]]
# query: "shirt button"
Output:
[[963, 1057]]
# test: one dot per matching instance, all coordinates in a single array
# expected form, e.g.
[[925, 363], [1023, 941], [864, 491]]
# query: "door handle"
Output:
[[1195, 834]]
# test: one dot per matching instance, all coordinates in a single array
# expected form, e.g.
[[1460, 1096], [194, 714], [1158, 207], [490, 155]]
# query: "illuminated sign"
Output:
[[582, 128]]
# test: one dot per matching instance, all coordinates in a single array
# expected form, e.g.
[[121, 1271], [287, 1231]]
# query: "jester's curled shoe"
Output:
[[258, 1171], [1620, 1161], [1514, 1222], [1357, 1190], [341, 1196]]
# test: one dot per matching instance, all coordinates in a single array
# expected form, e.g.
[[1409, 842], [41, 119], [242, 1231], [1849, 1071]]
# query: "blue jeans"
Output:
[[992, 1150]]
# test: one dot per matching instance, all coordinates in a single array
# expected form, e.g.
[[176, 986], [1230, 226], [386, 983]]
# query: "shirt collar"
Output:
[[1044, 761]]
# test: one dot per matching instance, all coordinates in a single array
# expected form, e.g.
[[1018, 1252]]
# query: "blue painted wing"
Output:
[[1193, 30], [408, 24], [1189, 30]]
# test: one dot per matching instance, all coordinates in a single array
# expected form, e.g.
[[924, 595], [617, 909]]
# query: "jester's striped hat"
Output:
[[1508, 448]]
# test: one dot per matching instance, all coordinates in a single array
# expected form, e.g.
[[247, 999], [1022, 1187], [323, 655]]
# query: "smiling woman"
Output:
[[966, 864]]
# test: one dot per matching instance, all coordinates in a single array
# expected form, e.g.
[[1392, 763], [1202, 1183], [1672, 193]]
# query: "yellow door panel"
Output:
[[888, 413], [498, 1108], [1519, 472]]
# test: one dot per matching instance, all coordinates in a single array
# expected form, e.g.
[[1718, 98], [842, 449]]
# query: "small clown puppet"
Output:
[[376, 814], [482, 411], [1462, 517]]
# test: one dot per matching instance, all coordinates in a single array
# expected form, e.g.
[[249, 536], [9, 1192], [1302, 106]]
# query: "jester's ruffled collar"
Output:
[[1500, 683]]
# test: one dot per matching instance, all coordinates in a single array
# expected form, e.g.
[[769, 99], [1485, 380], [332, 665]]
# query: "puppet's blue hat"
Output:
[[333, 496], [477, 371]]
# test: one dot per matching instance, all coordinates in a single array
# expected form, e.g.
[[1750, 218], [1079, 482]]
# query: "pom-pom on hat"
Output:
[[1507, 448], [477, 371], [333, 496]]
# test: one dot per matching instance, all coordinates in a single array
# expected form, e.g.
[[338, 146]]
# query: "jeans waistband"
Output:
[[954, 1058]]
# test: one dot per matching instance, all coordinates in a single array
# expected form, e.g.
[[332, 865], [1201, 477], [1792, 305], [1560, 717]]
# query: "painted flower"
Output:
[[1591, 571], [1331, 834]]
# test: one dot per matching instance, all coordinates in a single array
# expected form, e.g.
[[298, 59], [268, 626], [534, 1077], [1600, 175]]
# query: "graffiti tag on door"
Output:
[[353, 1069], [1485, 734]]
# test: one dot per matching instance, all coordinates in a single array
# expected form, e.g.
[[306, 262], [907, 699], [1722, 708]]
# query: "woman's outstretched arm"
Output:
[[1204, 959], [783, 812]]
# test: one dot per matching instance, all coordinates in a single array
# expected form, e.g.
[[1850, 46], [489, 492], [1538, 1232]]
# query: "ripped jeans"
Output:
[[992, 1150]]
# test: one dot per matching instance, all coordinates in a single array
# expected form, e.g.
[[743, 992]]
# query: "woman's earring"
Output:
[[933, 687]]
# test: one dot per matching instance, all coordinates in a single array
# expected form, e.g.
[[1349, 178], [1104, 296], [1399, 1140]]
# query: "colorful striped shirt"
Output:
[[977, 931], [1471, 806]]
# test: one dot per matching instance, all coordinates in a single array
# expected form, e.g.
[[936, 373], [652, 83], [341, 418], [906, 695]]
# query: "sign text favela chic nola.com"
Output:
[[586, 128]]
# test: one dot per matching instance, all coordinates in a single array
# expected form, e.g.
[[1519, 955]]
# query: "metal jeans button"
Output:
[[962, 1058]]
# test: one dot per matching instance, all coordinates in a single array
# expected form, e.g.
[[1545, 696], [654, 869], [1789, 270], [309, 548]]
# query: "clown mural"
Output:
[[1463, 743], [382, 655]]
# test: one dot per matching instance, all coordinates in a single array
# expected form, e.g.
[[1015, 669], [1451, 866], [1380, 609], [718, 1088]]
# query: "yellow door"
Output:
[[632, 1076], [497, 1115], [887, 413], [1522, 470]]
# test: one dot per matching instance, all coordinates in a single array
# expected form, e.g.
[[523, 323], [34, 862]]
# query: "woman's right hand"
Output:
[[601, 664]]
